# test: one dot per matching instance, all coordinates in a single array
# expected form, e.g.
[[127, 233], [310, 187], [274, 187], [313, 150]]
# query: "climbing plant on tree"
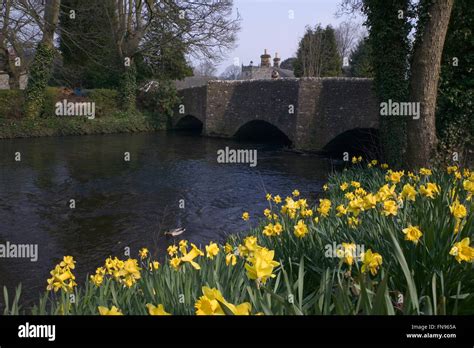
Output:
[[388, 24], [42, 66], [40, 73], [407, 73], [454, 121]]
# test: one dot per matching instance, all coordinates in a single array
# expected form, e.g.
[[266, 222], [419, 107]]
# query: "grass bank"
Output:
[[378, 242], [108, 116]]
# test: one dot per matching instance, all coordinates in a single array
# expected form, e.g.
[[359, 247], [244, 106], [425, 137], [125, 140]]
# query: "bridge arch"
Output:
[[356, 141], [262, 131], [189, 123]]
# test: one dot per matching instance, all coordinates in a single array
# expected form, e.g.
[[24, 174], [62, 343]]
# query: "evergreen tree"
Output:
[[361, 65], [90, 58], [454, 121], [317, 54]]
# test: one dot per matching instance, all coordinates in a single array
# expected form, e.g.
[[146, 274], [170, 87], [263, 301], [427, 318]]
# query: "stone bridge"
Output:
[[312, 114]]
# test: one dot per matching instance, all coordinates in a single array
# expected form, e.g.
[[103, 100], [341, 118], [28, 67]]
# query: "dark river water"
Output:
[[130, 204]]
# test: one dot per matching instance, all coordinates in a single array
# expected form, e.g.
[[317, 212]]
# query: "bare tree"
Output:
[[205, 28], [205, 69], [19, 34], [347, 37], [232, 72]]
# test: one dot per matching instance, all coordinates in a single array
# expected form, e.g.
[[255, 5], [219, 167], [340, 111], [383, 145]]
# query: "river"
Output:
[[121, 204]]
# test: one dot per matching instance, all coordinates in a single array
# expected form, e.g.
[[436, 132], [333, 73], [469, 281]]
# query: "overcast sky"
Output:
[[268, 24]]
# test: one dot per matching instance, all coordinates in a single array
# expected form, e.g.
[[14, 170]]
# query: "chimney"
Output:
[[276, 61], [265, 59]]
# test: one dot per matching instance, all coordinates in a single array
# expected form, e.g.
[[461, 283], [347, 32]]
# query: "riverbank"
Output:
[[108, 117]]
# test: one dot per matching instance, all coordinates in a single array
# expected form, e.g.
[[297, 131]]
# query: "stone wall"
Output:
[[5, 85], [194, 101], [332, 106], [231, 104], [323, 108]]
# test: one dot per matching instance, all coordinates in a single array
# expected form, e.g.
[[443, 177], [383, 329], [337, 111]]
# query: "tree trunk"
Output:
[[51, 17], [42, 67], [425, 70], [4, 54]]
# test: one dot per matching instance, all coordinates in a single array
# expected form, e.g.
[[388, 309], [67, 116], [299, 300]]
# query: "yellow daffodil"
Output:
[[191, 255], [452, 169], [301, 229], [344, 186], [324, 207], [370, 201], [213, 301], [112, 311], [341, 210], [458, 210], [425, 171], [295, 193], [277, 199], [230, 259], [268, 230], [430, 190], [68, 262], [347, 253], [212, 250], [249, 246], [175, 262], [228, 248], [353, 221], [371, 262], [390, 207], [408, 192], [62, 277], [98, 278], [355, 184], [154, 265], [156, 310], [355, 206], [350, 195], [268, 196], [277, 229], [143, 253], [394, 177], [462, 251], [385, 192], [129, 273], [172, 250], [260, 266], [245, 216], [412, 233]]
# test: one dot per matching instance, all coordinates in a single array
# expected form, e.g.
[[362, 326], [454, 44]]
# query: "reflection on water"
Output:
[[130, 204]]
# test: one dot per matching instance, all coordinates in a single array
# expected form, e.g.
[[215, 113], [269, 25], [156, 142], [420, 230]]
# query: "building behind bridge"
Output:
[[265, 70]]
